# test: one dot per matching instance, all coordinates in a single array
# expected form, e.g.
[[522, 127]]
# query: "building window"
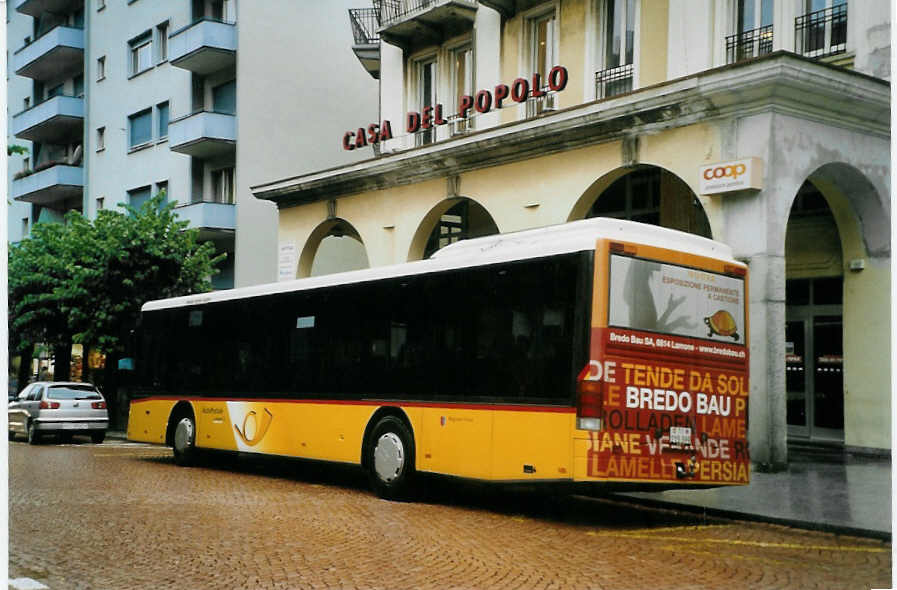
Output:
[[55, 91], [753, 30], [101, 201], [138, 196], [101, 138], [223, 185], [617, 49], [141, 51], [162, 189], [162, 39], [162, 109], [462, 84], [101, 68], [822, 29], [24, 227], [224, 11], [426, 97], [26, 164], [27, 102], [224, 98], [140, 128], [78, 86], [543, 48]]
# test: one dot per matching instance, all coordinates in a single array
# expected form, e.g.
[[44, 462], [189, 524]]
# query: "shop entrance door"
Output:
[[814, 359]]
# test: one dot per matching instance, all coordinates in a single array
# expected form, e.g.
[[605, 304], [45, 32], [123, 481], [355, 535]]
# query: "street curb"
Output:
[[736, 515]]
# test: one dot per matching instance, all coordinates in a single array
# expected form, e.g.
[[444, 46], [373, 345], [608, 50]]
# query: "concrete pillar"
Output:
[[392, 93]]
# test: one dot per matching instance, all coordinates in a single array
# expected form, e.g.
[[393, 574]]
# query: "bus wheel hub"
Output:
[[389, 457]]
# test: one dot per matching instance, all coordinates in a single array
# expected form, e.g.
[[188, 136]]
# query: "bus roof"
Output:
[[575, 236]]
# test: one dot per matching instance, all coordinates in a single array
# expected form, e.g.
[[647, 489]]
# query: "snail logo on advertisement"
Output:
[[254, 427]]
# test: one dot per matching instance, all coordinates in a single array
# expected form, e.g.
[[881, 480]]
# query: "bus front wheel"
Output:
[[391, 459], [184, 441]]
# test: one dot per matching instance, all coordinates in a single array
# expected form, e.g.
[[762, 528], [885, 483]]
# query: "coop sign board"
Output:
[[519, 91], [736, 175]]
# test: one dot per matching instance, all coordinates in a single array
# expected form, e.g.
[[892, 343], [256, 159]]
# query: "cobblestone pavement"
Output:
[[122, 515]]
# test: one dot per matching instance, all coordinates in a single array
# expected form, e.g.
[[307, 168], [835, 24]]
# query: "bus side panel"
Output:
[[148, 420], [214, 429], [532, 445], [456, 441], [325, 431]]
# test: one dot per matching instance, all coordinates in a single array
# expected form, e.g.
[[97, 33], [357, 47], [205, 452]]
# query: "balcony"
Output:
[[821, 33], [209, 217], [55, 54], [204, 134], [58, 186], [365, 22], [59, 119], [749, 44], [204, 47], [409, 23], [36, 7], [613, 81]]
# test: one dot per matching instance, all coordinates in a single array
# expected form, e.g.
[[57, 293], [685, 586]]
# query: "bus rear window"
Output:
[[671, 299]]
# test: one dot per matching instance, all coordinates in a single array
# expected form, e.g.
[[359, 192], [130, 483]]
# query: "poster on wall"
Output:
[[287, 259]]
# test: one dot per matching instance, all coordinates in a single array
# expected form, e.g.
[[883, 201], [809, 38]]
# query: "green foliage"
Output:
[[16, 149], [88, 279]]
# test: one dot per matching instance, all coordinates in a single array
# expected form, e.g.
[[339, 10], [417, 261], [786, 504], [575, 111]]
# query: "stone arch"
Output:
[[338, 241], [672, 202], [478, 222], [837, 266]]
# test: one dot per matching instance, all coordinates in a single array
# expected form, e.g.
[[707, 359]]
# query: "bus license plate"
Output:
[[74, 426], [680, 435]]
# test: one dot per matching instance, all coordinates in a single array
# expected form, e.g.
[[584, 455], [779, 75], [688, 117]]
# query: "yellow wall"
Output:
[[655, 17], [571, 50]]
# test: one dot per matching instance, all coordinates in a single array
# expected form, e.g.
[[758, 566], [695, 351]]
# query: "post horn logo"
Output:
[[254, 430]]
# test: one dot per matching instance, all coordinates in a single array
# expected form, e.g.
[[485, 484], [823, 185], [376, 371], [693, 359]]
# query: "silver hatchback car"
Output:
[[60, 408]]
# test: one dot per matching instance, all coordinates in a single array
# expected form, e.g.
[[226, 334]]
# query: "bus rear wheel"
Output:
[[183, 443], [390, 459]]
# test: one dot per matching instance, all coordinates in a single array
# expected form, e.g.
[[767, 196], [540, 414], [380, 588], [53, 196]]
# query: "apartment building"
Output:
[[764, 124], [118, 100]]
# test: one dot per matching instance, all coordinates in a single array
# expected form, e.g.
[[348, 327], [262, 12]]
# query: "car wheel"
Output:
[[33, 436], [184, 441], [391, 459], [97, 437]]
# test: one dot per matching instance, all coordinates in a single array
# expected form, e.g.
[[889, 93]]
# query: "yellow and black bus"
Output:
[[594, 351]]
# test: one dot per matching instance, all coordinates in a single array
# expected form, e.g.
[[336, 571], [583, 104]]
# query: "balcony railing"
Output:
[[204, 46], [415, 23], [542, 104], [53, 184], [613, 81], [209, 215], [749, 44], [821, 33], [58, 119], [365, 22], [57, 52], [203, 134]]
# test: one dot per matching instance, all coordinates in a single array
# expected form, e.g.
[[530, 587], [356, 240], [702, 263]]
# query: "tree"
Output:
[[37, 271], [85, 281]]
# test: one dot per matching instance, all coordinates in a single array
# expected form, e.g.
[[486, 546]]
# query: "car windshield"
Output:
[[73, 392]]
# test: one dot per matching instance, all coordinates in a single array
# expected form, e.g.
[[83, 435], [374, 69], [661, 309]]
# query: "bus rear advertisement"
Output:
[[599, 351], [669, 369]]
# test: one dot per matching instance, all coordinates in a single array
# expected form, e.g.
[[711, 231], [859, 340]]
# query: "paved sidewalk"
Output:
[[830, 491]]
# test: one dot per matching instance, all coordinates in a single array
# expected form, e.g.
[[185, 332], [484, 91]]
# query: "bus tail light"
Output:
[[45, 405], [590, 401]]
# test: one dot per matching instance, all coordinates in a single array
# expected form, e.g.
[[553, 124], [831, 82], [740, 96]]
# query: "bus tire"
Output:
[[184, 441], [391, 459]]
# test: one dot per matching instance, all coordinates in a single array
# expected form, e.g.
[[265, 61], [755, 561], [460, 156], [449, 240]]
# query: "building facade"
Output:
[[762, 124], [119, 100]]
